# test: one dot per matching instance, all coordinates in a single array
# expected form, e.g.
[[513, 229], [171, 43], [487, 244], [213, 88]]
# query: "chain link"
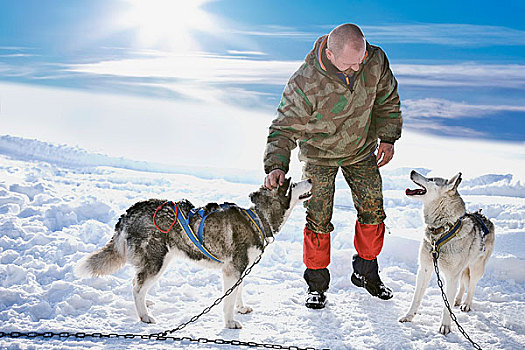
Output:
[[447, 304], [163, 336]]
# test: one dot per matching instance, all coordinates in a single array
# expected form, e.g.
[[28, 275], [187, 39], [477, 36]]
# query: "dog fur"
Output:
[[228, 234], [461, 259]]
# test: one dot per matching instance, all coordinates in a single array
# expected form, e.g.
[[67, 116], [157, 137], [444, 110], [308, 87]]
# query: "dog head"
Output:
[[285, 196], [300, 192], [432, 189], [276, 205]]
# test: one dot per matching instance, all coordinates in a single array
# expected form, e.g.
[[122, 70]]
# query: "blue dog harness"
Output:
[[198, 240], [447, 236]]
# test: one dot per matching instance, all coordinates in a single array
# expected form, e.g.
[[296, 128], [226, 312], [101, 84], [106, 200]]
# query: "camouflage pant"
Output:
[[365, 183]]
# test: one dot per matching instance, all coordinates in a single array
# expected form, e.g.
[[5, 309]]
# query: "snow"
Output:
[[57, 203]]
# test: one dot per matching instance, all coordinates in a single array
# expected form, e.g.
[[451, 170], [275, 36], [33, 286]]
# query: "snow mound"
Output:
[[68, 156], [57, 209]]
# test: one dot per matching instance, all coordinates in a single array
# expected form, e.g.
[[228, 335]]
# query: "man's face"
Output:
[[348, 59]]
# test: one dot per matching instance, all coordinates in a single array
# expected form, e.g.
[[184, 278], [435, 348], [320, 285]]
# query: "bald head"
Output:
[[347, 34]]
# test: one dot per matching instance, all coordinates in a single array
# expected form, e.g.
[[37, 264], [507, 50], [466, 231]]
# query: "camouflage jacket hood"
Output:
[[335, 124]]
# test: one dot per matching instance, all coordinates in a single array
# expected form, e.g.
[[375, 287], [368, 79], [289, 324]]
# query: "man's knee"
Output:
[[374, 215]]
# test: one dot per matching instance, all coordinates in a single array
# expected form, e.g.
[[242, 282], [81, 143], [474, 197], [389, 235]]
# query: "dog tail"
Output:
[[105, 261]]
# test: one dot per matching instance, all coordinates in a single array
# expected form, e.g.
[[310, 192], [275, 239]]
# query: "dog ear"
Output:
[[254, 196], [453, 183], [286, 184]]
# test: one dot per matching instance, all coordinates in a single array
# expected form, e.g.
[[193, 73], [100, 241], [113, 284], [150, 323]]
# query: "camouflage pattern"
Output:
[[365, 183], [334, 124]]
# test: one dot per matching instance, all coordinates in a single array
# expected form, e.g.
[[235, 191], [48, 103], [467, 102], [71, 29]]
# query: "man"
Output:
[[337, 106]]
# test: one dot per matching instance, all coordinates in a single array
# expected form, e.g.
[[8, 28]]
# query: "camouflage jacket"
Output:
[[335, 123]]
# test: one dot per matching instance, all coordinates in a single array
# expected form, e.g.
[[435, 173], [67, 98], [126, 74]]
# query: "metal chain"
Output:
[[82, 335], [164, 335], [447, 304], [218, 300]]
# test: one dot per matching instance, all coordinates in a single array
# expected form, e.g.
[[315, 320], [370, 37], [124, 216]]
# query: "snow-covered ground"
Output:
[[58, 203]]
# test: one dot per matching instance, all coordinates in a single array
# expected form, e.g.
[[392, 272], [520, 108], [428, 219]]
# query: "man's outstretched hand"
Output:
[[385, 153], [274, 178]]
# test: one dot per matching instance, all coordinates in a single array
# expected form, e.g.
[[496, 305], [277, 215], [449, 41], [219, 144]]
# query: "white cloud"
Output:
[[281, 32], [203, 68], [463, 74], [427, 115], [211, 134], [446, 34], [433, 107], [246, 53], [455, 34], [15, 48], [12, 55]]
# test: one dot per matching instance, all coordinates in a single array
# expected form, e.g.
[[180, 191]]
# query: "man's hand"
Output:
[[274, 178], [386, 152]]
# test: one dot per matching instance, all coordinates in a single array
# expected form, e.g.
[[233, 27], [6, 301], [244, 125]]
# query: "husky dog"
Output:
[[463, 257], [228, 232]]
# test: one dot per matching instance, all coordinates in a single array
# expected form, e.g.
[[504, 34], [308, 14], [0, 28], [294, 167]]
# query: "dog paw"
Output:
[[233, 324], [457, 302], [465, 308], [147, 319], [244, 309], [407, 318], [444, 329]]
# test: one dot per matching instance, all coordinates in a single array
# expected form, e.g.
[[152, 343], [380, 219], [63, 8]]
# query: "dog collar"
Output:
[[446, 237]]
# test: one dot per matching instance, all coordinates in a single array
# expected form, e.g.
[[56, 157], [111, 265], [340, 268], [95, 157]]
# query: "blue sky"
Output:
[[460, 64]]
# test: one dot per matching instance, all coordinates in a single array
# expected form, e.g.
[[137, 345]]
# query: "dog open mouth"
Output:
[[417, 192], [305, 196]]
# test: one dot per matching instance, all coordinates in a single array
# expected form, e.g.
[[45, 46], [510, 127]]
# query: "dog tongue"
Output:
[[410, 192]]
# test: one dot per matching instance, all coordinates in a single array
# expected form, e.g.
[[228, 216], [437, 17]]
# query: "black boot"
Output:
[[366, 274], [318, 282], [315, 300]]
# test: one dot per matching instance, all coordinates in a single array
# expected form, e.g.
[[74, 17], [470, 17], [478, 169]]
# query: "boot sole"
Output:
[[315, 306], [386, 297], [360, 283], [357, 281]]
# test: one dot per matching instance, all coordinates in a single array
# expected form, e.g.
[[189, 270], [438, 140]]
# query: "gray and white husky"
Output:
[[463, 258], [229, 233]]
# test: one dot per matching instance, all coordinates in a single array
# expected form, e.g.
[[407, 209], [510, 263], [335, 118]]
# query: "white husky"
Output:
[[463, 257]]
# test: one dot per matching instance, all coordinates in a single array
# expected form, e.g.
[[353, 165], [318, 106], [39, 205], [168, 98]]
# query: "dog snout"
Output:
[[414, 175], [309, 181]]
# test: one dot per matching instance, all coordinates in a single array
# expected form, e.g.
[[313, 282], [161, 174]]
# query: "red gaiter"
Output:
[[316, 249], [368, 240]]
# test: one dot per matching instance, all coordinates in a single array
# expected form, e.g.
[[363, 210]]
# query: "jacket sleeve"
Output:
[[386, 113], [293, 113]]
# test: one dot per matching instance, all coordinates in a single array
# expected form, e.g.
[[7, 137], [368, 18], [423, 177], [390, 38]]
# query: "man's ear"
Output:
[[329, 54], [454, 182]]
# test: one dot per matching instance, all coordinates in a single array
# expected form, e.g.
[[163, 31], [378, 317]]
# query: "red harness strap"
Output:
[[173, 223]]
